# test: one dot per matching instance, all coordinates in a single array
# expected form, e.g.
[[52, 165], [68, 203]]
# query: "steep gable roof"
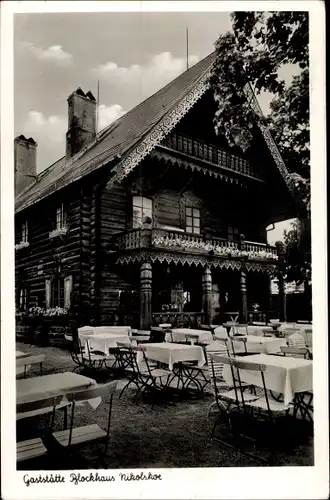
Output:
[[130, 138]]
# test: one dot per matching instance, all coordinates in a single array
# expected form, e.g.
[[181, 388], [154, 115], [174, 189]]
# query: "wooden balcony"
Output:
[[182, 242], [211, 154]]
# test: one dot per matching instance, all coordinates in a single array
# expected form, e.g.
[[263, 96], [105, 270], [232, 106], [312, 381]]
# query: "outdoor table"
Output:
[[179, 335], [274, 325], [103, 341], [257, 344], [170, 353], [284, 375], [20, 369], [142, 332], [268, 329], [233, 316], [20, 354], [32, 389]]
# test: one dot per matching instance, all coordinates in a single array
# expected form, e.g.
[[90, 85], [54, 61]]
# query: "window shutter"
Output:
[[67, 291], [48, 293]]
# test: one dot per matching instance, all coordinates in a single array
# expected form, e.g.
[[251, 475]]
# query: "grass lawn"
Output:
[[173, 433]]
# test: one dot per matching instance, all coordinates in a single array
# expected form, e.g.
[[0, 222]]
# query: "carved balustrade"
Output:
[[182, 242], [210, 153]]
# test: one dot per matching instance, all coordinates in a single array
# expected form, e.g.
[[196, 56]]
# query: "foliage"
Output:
[[55, 311], [261, 43], [297, 257]]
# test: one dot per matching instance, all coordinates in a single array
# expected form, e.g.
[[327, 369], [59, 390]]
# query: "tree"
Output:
[[261, 43], [253, 54]]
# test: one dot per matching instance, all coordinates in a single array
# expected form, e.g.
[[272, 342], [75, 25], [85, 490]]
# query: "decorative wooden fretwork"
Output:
[[188, 243], [125, 167], [193, 260], [167, 124]]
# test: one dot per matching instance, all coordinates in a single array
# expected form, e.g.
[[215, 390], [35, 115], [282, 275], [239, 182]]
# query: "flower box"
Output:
[[22, 244], [58, 233]]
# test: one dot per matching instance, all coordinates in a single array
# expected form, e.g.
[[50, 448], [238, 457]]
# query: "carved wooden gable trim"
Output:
[[170, 120]]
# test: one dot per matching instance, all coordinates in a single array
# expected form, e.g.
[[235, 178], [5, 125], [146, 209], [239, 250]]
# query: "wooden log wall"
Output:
[[40, 260], [114, 214], [221, 204]]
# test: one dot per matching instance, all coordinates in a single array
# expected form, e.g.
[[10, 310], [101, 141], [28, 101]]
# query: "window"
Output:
[[57, 293], [193, 218], [60, 217], [22, 299], [25, 233], [142, 208], [233, 233]]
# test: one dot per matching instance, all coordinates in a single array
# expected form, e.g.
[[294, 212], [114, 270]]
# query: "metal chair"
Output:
[[228, 399], [147, 378]]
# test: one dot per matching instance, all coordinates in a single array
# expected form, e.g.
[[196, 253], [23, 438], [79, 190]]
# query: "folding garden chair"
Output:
[[95, 360], [33, 448], [144, 379], [30, 360], [256, 410], [295, 352], [76, 352], [75, 436], [228, 398]]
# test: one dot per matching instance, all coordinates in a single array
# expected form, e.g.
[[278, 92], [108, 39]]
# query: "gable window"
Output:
[[193, 220], [60, 217], [233, 233], [142, 208], [25, 232]]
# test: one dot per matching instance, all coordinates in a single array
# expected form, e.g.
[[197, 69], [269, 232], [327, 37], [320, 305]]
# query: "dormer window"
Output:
[[142, 210], [25, 232], [60, 217]]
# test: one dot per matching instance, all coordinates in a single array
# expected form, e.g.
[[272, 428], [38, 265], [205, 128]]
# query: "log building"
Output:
[[153, 219]]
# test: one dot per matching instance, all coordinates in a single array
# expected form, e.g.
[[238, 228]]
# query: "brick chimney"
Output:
[[25, 158], [81, 121]]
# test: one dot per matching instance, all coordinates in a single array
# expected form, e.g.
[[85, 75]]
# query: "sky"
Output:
[[131, 54]]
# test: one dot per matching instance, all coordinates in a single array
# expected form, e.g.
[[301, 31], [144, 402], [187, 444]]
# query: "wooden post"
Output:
[[244, 306], [207, 295], [145, 295], [281, 285]]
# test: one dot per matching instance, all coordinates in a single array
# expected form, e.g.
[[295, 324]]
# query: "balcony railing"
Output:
[[193, 243], [210, 153]]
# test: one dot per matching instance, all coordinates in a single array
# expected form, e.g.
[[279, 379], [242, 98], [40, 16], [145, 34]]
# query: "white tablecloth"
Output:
[[20, 369], [221, 332], [260, 344], [113, 330], [170, 353], [283, 374], [103, 341], [32, 389], [179, 335]]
